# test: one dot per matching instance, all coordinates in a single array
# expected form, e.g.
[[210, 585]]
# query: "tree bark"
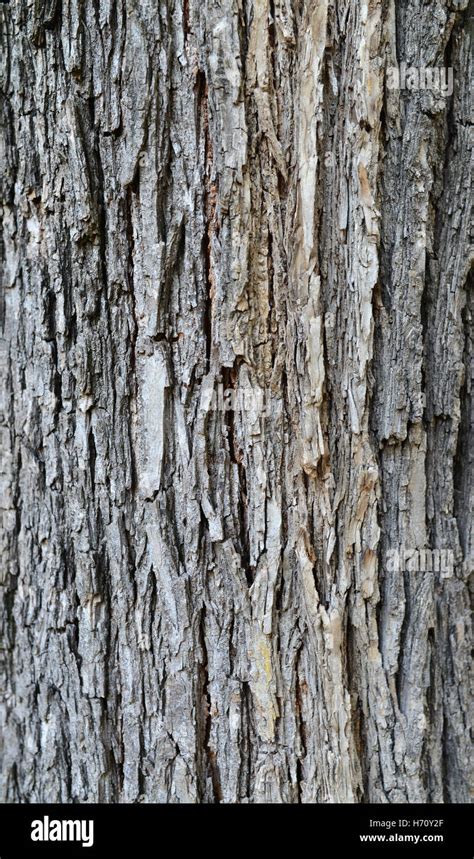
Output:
[[200, 603]]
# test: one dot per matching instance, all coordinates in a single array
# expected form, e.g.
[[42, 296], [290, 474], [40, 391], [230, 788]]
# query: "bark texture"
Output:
[[197, 602]]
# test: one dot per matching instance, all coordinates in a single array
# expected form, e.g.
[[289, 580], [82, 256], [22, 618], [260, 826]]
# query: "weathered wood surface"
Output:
[[197, 604]]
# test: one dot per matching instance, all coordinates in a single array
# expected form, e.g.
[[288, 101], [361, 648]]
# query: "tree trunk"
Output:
[[258, 595]]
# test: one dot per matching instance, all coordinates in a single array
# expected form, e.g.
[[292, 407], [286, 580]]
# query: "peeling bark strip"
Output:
[[198, 604]]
